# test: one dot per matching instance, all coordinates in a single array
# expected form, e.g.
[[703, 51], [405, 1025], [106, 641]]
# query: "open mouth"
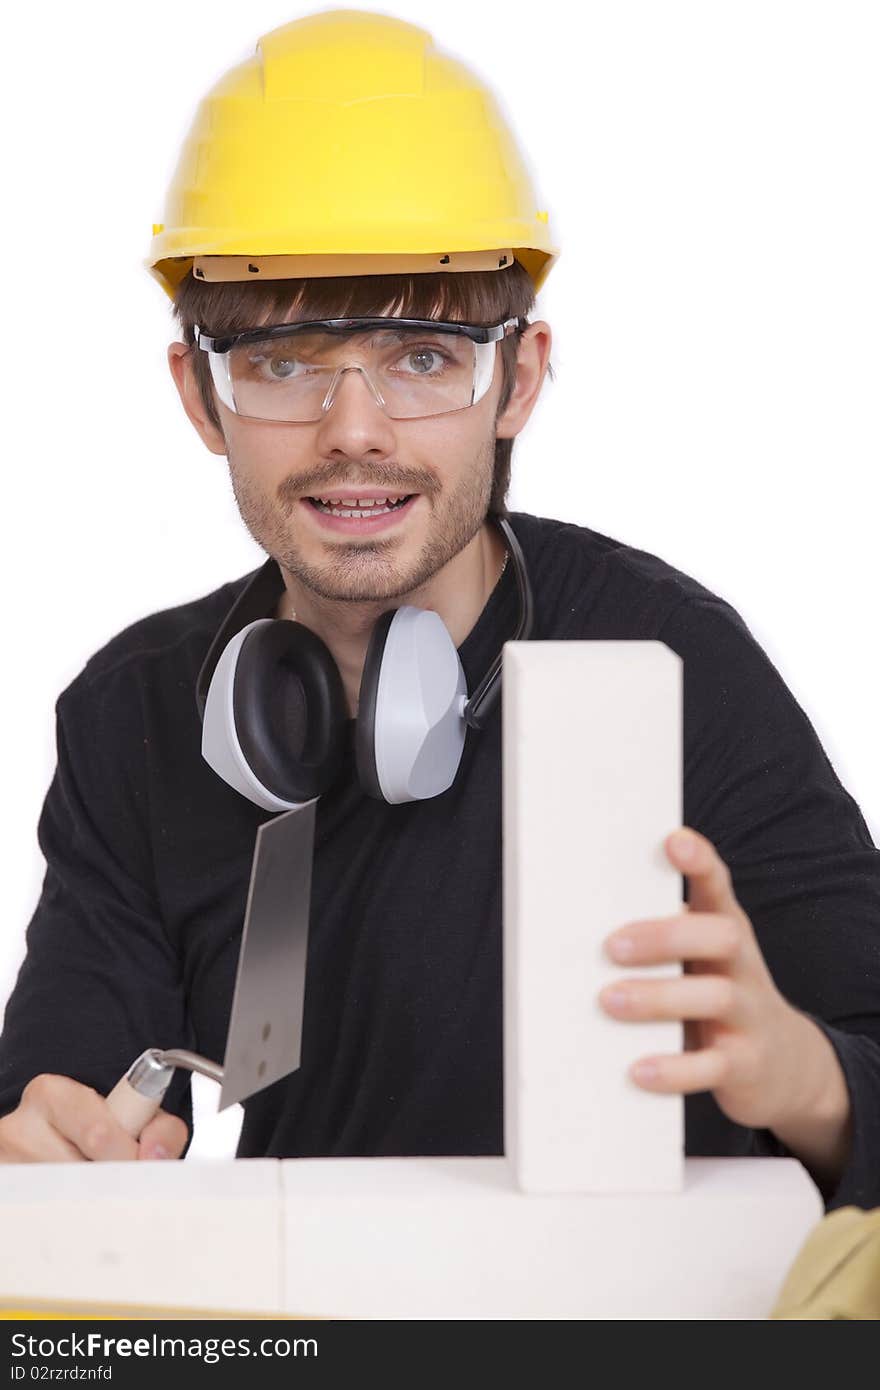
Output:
[[361, 508]]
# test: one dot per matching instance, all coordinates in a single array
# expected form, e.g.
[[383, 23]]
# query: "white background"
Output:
[[711, 175]]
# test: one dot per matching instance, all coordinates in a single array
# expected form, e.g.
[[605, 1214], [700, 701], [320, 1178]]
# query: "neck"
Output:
[[458, 593]]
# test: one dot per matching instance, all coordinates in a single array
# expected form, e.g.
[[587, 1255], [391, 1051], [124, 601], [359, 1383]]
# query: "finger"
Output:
[[710, 886], [685, 997], [681, 1073], [27, 1137], [80, 1115], [164, 1137], [692, 936]]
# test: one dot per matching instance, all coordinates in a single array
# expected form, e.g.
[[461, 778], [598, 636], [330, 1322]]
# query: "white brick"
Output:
[[592, 739]]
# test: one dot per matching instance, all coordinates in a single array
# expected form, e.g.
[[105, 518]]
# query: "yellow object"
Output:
[[348, 136], [837, 1272], [65, 1310]]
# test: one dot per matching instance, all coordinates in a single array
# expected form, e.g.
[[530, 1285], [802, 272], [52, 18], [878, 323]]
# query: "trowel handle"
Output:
[[137, 1095], [133, 1110]]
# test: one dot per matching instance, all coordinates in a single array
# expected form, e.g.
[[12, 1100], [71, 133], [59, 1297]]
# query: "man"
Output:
[[135, 939]]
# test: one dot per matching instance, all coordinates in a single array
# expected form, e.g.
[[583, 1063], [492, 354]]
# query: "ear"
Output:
[[533, 359], [180, 361]]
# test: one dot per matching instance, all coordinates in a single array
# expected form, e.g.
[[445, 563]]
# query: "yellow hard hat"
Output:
[[348, 146]]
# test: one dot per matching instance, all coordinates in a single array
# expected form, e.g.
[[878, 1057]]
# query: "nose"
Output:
[[353, 420]]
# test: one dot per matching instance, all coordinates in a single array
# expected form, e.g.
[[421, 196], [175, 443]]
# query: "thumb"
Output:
[[164, 1136]]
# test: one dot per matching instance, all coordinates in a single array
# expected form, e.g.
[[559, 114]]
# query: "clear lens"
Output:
[[413, 372]]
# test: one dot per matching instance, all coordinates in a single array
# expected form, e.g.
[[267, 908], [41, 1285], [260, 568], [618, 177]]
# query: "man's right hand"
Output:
[[58, 1120]]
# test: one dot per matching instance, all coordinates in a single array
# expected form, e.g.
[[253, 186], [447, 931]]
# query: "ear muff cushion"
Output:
[[365, 733], [290, 710]]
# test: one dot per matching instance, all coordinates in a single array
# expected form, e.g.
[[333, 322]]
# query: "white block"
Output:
[[397, 1238], [187, 1235], [592, 749], [455, 1238]]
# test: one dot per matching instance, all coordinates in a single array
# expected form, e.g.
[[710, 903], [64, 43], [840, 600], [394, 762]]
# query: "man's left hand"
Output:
[[743, 1040]]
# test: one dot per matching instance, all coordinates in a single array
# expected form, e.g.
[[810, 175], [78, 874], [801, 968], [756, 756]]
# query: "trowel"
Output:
[[264, 1040]]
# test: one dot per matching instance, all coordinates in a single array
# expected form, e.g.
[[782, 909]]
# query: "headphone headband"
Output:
[[259, 598], [484, 698]]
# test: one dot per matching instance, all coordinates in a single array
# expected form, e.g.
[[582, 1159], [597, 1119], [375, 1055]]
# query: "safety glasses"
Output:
[[413, 367]]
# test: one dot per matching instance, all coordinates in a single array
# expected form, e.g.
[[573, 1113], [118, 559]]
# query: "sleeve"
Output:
[[760, 786], [100, 980]]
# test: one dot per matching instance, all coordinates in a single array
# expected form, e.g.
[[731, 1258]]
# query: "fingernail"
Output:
[[622, 947], [684, 845], [644, 1071], [159, 1151], [616, 998]]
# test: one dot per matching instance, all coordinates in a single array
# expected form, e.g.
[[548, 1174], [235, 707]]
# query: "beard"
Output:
[[371, 571]]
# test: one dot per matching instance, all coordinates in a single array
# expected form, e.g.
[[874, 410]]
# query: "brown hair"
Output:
[[483, 296]]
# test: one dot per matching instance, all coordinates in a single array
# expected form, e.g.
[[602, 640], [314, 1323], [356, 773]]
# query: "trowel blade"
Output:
[[265, 1027]]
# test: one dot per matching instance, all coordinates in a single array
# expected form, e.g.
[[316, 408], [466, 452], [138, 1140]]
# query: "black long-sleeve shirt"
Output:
[[135, 938]]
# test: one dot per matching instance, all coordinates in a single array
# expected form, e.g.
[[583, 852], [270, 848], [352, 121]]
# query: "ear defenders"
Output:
[[274, 712]]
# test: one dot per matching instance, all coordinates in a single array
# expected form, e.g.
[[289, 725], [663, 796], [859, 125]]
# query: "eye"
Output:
[[275, 366], [423, 356], [282, 366]]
